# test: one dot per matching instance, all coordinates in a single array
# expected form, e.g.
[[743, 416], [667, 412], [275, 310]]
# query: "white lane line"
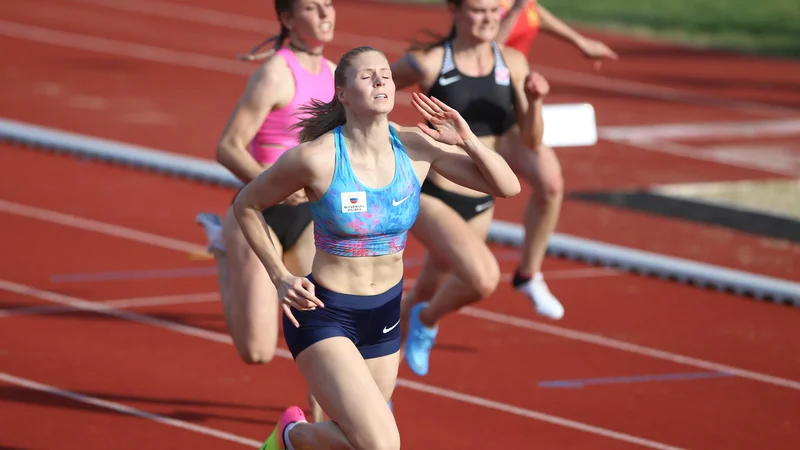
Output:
[[125, 409], [96, 226], [137, 302]]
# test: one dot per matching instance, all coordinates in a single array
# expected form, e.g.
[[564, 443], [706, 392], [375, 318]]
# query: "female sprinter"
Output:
[[362, 175], [493, 89], [256, 134], [522, 20]]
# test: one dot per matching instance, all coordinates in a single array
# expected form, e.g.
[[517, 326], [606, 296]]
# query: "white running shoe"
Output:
[[212, 225], [546, 303]]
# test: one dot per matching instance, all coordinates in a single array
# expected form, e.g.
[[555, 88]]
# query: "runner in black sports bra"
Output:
[[504, 110], [486, 103]]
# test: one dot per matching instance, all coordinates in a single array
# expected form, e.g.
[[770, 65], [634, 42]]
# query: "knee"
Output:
[[550, 192], [551, 195], [256, 356], [487, 280], [387, 443], [485, 276], [388, 440]]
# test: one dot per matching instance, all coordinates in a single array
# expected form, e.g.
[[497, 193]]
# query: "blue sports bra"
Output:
[[351, 219]]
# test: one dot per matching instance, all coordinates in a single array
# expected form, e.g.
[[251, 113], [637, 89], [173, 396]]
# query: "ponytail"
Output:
[[320, 118], [279, 39]]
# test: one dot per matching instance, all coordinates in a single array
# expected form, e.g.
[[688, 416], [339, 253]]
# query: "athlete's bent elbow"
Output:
[[510, 188], [223, 155]]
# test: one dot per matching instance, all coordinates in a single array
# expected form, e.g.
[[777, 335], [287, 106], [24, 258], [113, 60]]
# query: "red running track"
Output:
[[650, 353], [197, 378]]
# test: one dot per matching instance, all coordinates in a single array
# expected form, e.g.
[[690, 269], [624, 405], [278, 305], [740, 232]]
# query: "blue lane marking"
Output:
[[135, 274], [577, 384]]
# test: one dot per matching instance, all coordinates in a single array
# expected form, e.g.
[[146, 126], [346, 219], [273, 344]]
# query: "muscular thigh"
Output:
[[384, 372], [453, 243], [253, 306], [345, 386]]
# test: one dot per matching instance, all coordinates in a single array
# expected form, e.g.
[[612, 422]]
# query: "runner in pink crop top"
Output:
[[275, 129]]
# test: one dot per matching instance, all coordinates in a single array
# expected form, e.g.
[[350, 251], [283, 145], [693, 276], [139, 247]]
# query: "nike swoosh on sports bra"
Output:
[[354, 220], [486, 103]]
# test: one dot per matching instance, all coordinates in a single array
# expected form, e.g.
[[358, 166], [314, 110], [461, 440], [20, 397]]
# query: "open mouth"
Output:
[[325, 26], [381, 97]]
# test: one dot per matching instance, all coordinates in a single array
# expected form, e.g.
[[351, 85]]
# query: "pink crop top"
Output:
[[274, 131]]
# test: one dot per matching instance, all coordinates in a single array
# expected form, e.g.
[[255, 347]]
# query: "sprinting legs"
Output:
[[457, 254], [460, 254], [354, 392], [458, 270], [249, 299], [542, 171]]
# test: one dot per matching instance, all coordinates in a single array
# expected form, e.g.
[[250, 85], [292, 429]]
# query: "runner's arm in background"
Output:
[[530, 88], [509, 20], [261, 94], [555, 26]]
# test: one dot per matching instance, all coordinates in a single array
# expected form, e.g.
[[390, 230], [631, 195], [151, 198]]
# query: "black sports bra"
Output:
[[486, 103]]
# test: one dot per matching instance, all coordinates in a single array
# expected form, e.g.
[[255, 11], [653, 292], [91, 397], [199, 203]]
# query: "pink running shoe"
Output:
[[275, 441]]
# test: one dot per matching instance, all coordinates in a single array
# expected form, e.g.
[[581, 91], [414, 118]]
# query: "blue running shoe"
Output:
[[419, 342]]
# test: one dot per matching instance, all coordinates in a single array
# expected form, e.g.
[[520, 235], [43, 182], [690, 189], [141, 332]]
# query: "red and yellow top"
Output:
[[525, 29]]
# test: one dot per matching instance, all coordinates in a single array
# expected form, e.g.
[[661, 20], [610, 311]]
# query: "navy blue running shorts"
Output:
[[371, 322]]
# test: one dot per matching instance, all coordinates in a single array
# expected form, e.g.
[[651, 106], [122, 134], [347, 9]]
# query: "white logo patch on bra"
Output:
[[353, 202]]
